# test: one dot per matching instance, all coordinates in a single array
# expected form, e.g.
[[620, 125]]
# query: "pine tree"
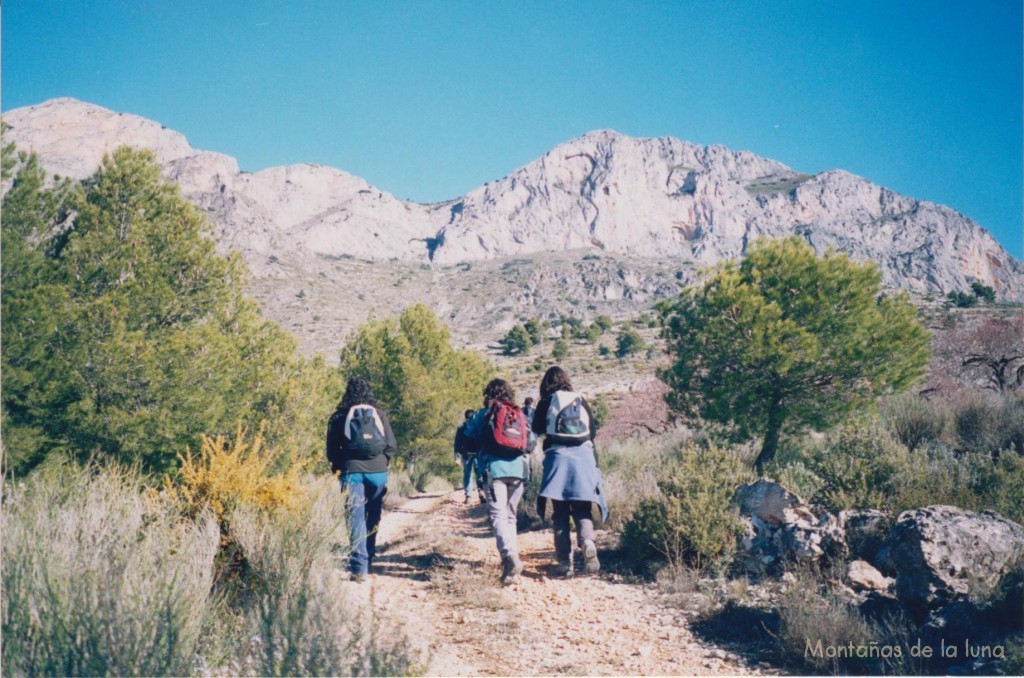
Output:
[[420, 378], [131, 336], [516, 342], [787, 340]]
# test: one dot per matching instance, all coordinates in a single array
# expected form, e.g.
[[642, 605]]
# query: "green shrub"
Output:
[[858, 465], [915, 421], [599, 408], [1000, 485], [938, 476], [560, 350], [862, 466], [976, 422], [632, 468], [962, 299], [798, 477], [628, 342], [592, 333], [534, 328], [645, 536], [517, 342], [983, 292], [98, 581], [692, 522], [420, 378]]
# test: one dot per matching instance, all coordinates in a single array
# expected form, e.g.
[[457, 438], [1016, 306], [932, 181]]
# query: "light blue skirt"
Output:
[[571, 474]]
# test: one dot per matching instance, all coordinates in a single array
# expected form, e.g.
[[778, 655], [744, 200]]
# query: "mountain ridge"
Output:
[[651, 198]]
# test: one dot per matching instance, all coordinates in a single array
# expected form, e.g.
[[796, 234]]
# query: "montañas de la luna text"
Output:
[[876, 650]]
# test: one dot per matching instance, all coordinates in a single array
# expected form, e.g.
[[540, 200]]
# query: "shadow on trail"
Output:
[[749, 631]]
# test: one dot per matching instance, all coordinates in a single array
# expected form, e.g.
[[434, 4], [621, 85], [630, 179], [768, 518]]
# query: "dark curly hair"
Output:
[[499, 389], [358, 392], [555, 379]]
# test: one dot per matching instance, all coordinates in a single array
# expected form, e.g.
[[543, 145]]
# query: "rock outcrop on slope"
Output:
[[649, 198], [941, 554]]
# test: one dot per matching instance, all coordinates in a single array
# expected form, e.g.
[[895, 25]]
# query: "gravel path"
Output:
[[438, 575]]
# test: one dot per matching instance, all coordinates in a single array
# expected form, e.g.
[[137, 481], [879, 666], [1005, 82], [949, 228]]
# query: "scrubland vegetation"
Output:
[[162, 510], [167, 511], [103, 576]]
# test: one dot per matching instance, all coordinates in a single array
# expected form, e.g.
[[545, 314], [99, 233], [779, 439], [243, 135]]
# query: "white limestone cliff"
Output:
[[649, 198]]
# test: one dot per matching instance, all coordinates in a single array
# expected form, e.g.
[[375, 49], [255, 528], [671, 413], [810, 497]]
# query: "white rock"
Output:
[[863, 577]]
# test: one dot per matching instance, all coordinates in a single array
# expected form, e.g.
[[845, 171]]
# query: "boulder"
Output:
[[779, 528], [863, 577], [941, 554], [769, 502], [866, 530]]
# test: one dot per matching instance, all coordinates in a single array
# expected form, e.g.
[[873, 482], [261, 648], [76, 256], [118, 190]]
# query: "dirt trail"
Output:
[[438, 574]]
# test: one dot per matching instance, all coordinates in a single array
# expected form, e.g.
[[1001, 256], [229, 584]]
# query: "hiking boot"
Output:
[[511, 567], [591, 565], [564, 568], [466, 500]]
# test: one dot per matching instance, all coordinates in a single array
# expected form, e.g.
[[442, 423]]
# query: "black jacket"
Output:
[[336, 444], [464, 447], [540, 425]]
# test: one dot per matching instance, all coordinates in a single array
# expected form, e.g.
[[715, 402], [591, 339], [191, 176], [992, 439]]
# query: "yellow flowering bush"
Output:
[[228, 474]]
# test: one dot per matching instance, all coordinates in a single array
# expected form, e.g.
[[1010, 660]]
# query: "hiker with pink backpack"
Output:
[[501, 432], [572, 480]]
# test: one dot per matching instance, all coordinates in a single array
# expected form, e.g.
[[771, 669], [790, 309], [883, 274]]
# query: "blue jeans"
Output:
[[365, 501], [469, 469]]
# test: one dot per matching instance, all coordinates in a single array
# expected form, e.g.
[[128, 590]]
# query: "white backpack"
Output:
[[567, 416]]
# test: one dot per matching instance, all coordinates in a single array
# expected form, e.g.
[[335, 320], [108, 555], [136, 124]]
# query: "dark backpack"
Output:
[[463, 448], [364, 432], [510, 434]]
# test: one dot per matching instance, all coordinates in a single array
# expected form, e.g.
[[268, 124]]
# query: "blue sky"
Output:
[[428, 100]]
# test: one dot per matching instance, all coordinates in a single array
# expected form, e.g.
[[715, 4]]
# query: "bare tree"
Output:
[[989, 352]]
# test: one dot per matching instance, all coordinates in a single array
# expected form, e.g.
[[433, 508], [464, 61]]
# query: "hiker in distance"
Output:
[[360, 444], [466, 454], [572, 480], [500, 432], [529, 410]]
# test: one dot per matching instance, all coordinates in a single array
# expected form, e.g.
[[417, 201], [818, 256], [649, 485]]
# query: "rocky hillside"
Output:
[[653, 210]]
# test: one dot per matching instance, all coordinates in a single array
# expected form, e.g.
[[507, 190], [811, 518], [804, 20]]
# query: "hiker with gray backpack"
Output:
[[572, 480], [360, 444], [499, 430]]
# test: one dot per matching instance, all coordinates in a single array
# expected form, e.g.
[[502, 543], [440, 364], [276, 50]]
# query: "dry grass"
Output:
[[100, 579], [632, 468], [97, 582], [305, 622]]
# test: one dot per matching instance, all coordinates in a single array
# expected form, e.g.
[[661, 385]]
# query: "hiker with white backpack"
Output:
[[572, 480], [360, 444], [501, 433]]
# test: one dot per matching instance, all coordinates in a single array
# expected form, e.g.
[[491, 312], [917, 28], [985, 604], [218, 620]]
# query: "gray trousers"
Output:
[[580, 512], [503, 495]]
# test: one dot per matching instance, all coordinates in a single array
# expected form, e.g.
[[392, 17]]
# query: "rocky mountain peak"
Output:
[[655, 198]]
